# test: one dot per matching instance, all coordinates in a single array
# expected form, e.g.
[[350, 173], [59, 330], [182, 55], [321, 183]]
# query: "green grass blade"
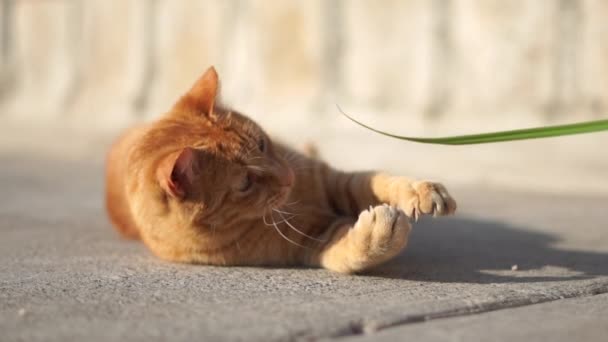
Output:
[[518, 134]]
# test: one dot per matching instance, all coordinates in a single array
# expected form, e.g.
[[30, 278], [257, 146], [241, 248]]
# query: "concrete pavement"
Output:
[[65, 275], [573, 319]]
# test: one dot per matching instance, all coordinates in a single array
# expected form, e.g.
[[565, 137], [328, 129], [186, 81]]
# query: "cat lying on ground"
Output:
[[205, 184]]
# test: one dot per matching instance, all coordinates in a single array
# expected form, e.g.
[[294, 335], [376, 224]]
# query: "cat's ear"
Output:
[[203, 93], [176, 173]]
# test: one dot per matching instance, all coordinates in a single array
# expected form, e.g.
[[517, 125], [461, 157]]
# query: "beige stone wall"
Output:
[[422, 67]]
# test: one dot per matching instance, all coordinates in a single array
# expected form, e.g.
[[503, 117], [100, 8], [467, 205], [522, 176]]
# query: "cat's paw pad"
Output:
[[430, 198], [380, 233]]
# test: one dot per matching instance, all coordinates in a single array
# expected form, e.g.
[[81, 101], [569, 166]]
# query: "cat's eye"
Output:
[[246, 183], [262, 144]]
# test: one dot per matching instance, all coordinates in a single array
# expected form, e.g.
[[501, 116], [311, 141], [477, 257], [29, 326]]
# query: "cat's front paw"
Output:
[[427, 197], [379, 234]]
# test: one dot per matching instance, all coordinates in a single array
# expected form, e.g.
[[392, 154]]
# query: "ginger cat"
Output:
[[204, 184]]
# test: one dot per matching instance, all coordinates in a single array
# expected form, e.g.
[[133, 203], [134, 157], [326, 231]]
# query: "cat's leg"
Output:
[[378, 235], [352, 192]]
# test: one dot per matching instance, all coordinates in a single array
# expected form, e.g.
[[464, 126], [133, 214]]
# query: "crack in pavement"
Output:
[[371, 326]]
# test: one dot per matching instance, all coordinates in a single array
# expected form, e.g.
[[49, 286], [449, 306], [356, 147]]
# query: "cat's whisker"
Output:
[[297, 230], [270, 225], [288, 155], [266, 222], [283, 235], [285, 219], [292, 157], [283, 212], [291, 203]]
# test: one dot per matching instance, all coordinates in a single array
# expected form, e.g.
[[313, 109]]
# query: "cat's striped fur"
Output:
[[205, 184]]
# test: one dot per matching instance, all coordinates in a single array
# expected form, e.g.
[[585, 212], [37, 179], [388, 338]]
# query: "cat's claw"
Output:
[[431, 199]]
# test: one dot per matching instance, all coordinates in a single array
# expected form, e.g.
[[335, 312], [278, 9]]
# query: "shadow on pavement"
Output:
[[476, 251]]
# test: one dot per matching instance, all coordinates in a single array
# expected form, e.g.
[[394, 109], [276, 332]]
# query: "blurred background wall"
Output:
[[73, 73]]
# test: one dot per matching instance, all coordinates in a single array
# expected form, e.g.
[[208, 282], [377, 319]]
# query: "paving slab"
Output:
[[574, 319], [65, 275]]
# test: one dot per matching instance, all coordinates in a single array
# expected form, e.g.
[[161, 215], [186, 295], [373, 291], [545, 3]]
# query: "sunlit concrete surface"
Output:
[[66, 275]]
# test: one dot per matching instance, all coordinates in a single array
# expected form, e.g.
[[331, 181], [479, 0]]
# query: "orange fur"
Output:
[[205, 184]]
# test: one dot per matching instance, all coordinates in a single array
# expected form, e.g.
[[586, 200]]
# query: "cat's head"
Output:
[[215, 163]]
